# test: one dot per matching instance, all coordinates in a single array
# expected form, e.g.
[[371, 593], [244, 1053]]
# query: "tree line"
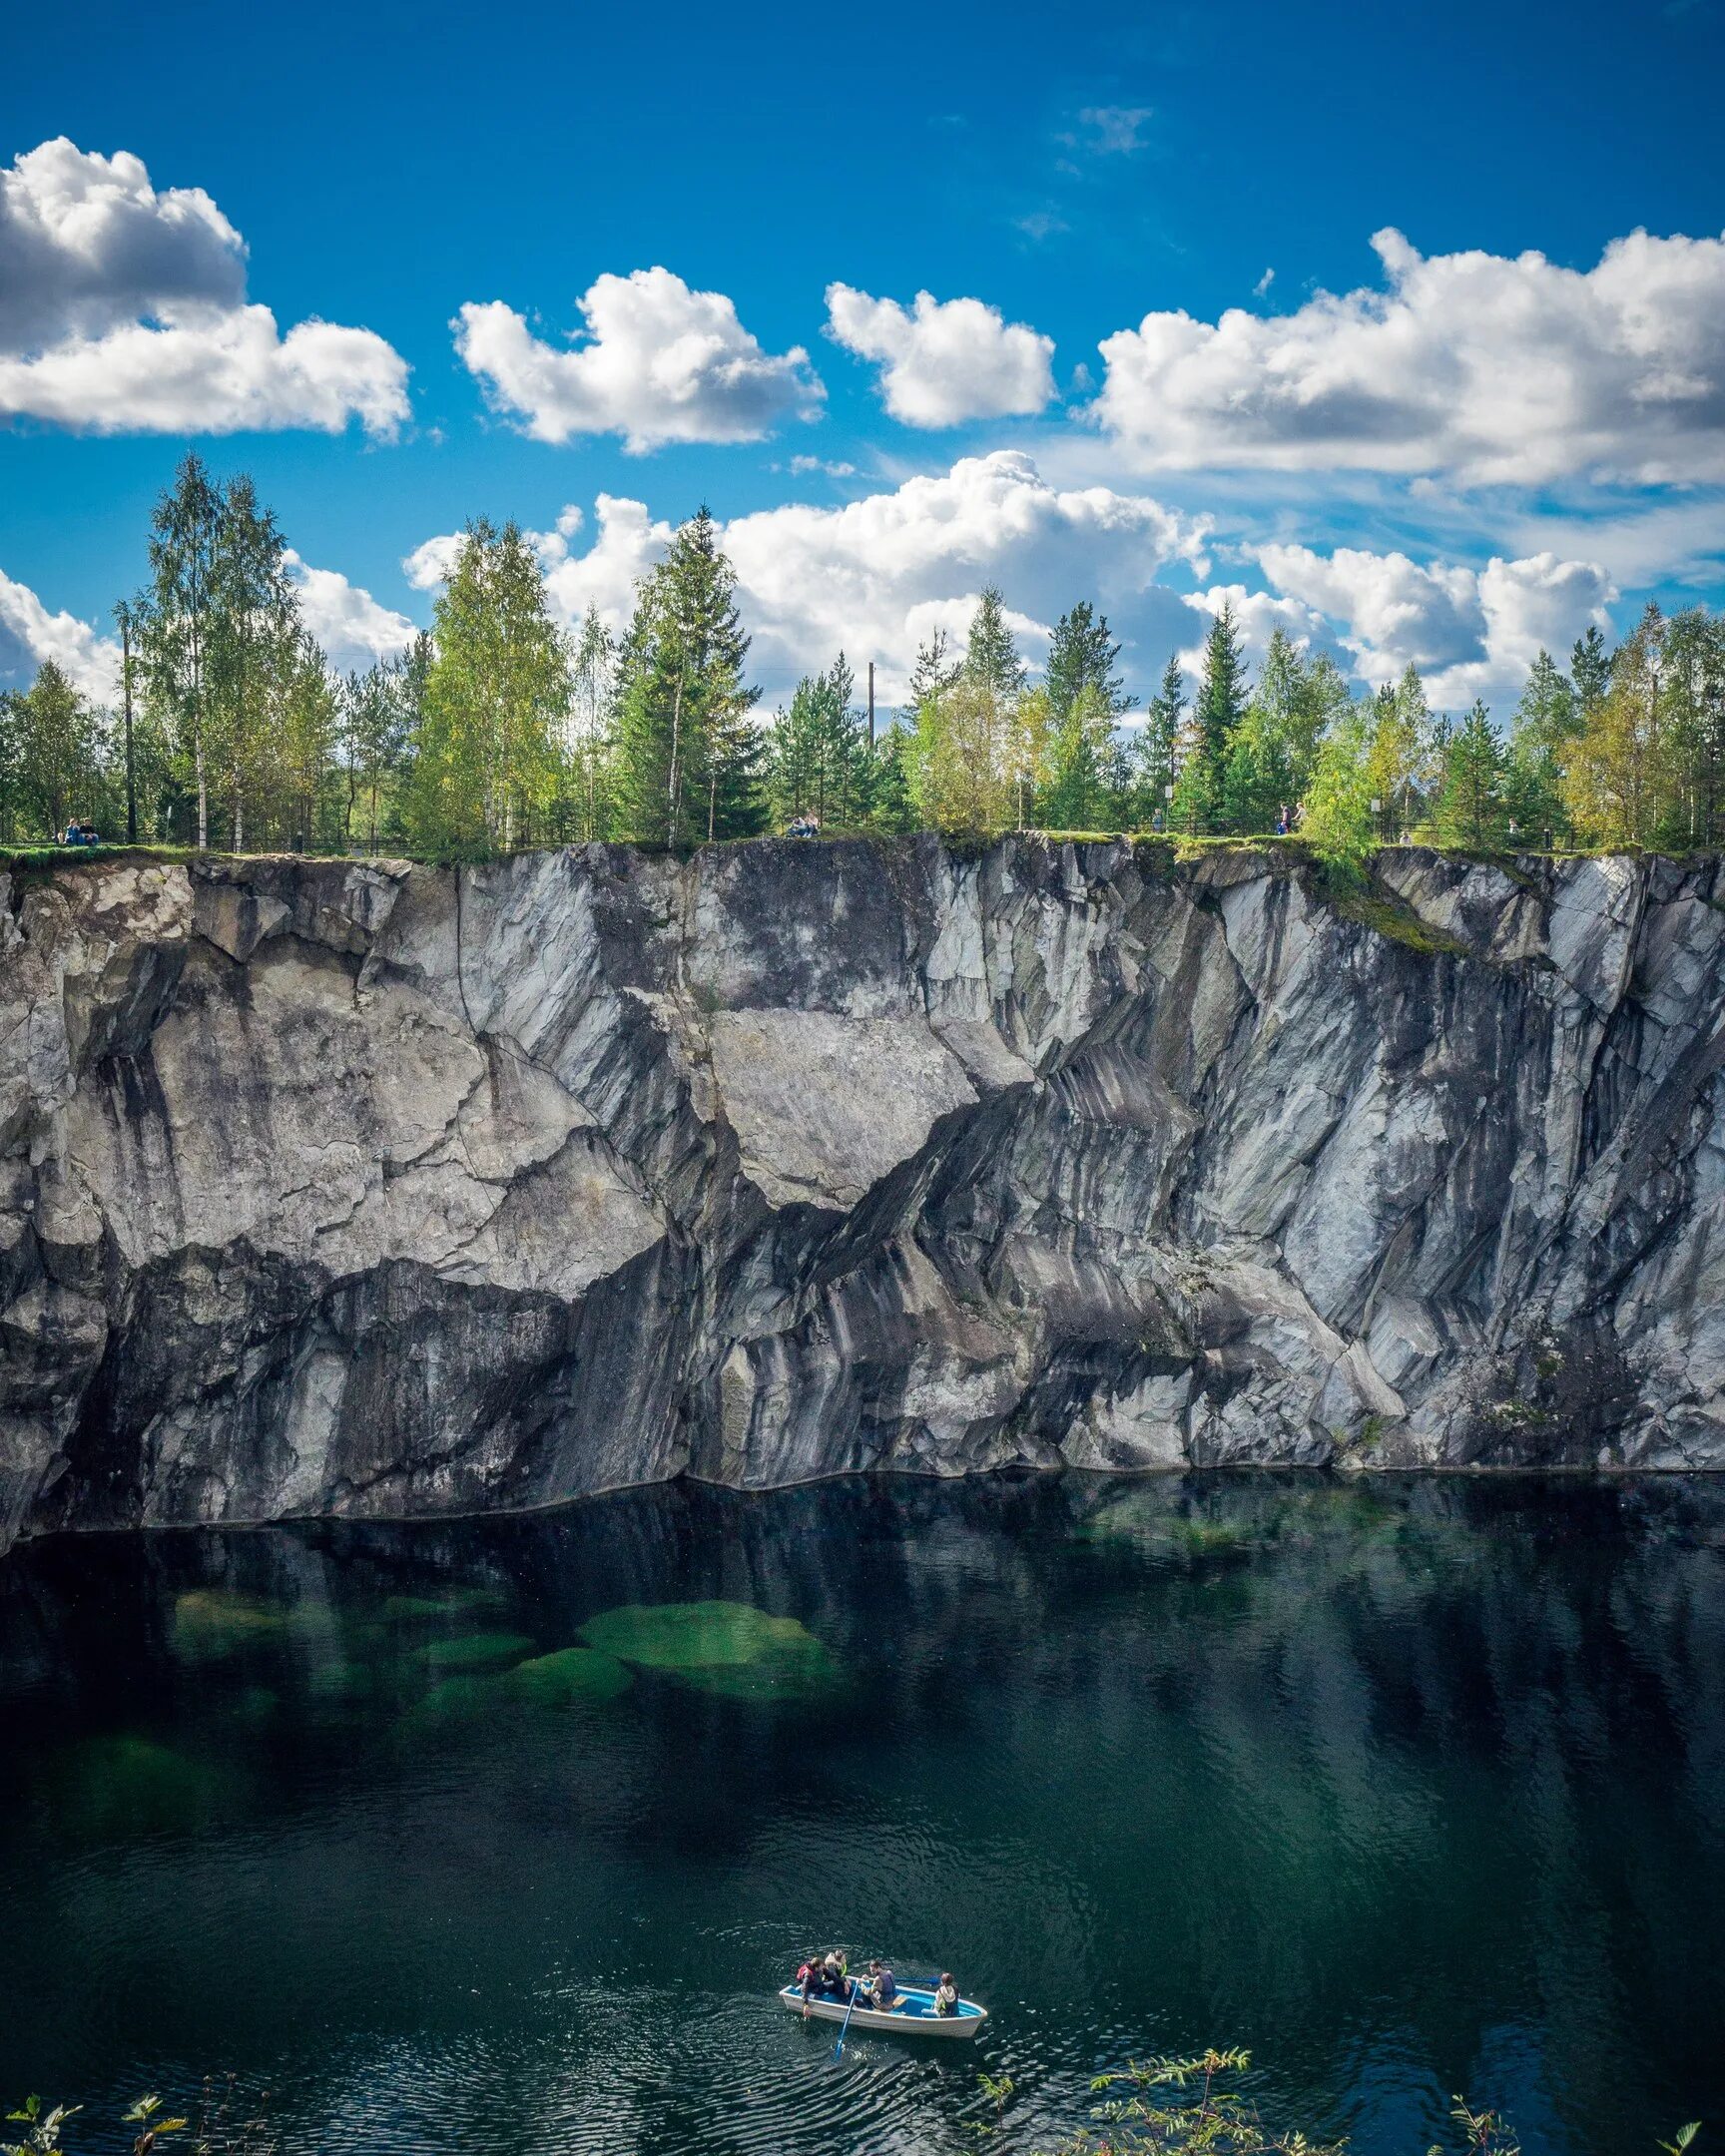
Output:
[[499, 728]]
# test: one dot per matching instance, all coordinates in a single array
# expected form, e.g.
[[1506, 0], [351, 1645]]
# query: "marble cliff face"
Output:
[[368, 1189]]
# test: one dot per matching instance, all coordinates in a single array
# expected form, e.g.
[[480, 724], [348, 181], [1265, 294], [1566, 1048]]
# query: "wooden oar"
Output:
[[839, 2048]]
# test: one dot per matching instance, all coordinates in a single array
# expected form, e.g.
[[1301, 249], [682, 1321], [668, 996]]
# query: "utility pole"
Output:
[[871, 707], [123, 615]]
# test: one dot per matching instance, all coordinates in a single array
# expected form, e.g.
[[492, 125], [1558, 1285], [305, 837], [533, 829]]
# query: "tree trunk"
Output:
[[671, 784]]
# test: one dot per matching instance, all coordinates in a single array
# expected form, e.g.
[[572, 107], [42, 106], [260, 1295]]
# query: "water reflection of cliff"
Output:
[[1408, 1784]]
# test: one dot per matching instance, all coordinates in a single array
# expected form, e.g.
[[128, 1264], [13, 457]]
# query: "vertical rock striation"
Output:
[[369, 1189]]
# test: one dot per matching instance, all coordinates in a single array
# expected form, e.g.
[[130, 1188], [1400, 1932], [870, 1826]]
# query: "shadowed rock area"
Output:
[[380, 1190]]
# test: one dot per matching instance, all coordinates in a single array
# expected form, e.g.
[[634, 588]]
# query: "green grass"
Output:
[[1398, 923]]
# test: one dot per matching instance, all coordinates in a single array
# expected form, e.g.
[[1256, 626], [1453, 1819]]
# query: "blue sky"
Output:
[[1350, 466]]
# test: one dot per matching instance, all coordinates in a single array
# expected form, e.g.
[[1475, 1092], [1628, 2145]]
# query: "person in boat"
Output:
[[834, 1976], [809, 1978], [881, 1988], [945, 1994]]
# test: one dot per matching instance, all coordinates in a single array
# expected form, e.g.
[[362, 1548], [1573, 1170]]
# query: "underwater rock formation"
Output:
[[373, 1189]]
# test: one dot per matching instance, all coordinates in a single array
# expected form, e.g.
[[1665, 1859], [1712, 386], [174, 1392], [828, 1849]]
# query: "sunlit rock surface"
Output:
[[365, 1189]]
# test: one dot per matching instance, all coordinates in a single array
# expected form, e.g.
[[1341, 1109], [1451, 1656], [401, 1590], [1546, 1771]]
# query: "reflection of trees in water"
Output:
[[1343, 1761]]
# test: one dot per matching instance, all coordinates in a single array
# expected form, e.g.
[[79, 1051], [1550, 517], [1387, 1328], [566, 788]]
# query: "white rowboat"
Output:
[[913, 2015]]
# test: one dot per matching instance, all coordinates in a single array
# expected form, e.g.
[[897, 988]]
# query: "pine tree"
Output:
[[1084, 765], [375, 723], [933, 671], [689, 756], [990, 654]]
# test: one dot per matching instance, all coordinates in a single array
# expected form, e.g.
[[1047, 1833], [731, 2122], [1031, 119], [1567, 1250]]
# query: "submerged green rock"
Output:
[[429, 1609], [730, 1649], [121, 1788], [210, 1623], [476, 1650], [572, 1673]]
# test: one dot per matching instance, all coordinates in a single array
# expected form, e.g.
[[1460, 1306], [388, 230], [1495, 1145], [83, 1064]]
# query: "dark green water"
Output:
[[1411, 1787]]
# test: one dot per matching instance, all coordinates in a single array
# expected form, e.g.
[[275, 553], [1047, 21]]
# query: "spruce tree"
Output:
[[1082, 656], [1154, 751], [1544, 725], [1219, 708], [990, 654], [1470, 809], [1590, 670], [688, 754]]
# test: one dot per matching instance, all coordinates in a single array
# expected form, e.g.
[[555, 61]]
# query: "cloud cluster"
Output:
[[1486, 367], [656, 363], [123, 310], [1470, 632], [29, 635], [944, 362], [354, 629], [875, 576]]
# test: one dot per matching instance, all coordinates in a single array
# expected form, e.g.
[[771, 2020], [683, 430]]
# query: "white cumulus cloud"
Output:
[[354, 629], [656, 363], [123, 310], [1485, 368], [872, 577], [30, 634], [1470, 632], [943, 361]]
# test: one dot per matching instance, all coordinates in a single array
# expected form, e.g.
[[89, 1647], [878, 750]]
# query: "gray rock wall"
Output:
[[377, 1190]]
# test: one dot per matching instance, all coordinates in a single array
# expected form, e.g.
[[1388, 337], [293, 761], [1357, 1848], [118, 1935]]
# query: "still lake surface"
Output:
[[452, 1840]]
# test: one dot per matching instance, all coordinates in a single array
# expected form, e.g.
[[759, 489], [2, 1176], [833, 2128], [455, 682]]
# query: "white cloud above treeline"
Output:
[[1470, 632], [1482, 368], [943, 361], [122, 310], [354, 629], [875, 576], [656, 363], [31, 635]]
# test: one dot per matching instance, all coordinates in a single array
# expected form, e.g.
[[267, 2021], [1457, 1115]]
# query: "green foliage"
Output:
[[588, 807], [51, 759], [1081, 660], [817, 762], [496, 730], [1470, 809], [1186, 2105], [485, 772], [1219, 710], [688, 755], [1153, 755], [1337, 821], [991, 658]]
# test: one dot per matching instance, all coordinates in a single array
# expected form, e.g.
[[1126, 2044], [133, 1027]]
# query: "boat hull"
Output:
[[915, 2016]]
